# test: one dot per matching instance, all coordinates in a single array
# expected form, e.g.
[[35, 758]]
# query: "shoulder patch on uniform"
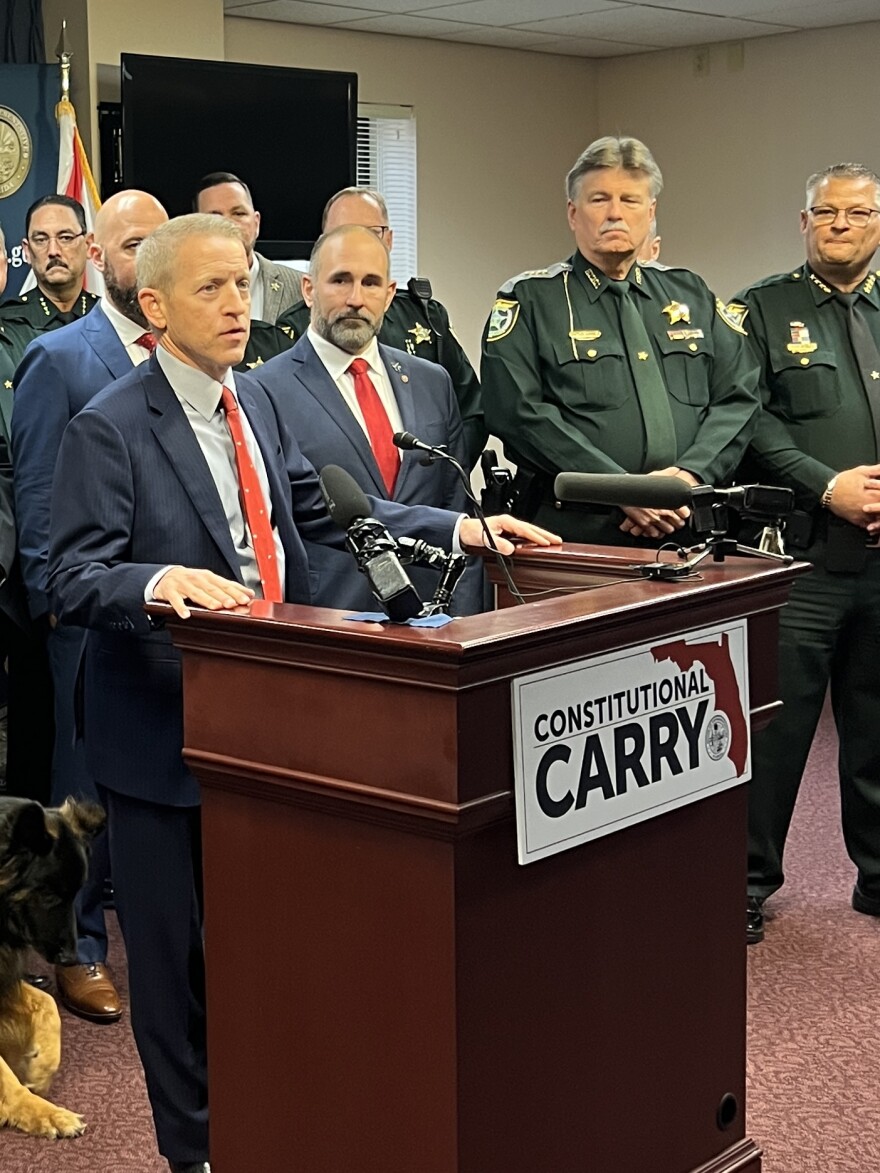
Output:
[[502, 319], [553, 271], [733, 314]]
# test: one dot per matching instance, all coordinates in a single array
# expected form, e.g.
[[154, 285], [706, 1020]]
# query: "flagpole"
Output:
[[75, 177]]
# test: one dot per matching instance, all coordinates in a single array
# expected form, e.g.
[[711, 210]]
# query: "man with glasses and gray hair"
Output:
[[603, 364], [56, 247], [816, 333]]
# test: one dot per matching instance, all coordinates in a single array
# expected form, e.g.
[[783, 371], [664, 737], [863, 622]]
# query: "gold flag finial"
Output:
[[64, 54]]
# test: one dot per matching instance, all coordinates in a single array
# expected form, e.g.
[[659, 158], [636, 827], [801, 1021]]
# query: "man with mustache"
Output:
[[600, 364], [61, 371], [56, 248], [337, 419]]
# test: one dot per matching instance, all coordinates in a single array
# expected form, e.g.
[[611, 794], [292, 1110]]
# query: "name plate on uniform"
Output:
[[624, 737]]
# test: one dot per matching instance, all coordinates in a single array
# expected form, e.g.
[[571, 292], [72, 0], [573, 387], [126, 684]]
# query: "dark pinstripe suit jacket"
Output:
[[133, 493]]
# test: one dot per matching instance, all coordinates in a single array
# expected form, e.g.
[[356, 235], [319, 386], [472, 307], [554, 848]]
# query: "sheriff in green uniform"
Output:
[[600, 364], [816, 333], [55, 247], [414, 322]]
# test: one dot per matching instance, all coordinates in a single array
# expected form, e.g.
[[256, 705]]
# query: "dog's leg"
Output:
[[31, 1042], [20, 1108]]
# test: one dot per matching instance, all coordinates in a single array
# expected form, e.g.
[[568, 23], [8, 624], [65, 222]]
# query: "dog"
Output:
[[43, 864]]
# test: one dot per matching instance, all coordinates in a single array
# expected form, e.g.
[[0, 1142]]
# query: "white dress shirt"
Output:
[[127, 331]]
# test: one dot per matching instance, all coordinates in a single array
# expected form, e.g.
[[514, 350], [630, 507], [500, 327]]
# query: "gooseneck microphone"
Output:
[[407, 441], [373, 547], [640, 491]]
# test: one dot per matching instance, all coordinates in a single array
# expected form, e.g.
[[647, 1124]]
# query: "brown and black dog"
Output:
[[43, 863]]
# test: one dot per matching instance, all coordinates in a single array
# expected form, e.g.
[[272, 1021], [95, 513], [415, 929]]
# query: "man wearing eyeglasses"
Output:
[[414, 321], [56, 248], [816, 333]]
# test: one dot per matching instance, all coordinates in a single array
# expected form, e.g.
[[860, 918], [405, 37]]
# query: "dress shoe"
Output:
[[198, 1167], [869, 905], [755, 920], [88, 990]]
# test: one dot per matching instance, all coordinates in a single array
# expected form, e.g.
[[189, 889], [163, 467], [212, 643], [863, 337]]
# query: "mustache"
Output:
[[614, 226], [59, 264]]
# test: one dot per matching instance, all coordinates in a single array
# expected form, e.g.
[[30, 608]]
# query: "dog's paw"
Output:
[[37, 1117]]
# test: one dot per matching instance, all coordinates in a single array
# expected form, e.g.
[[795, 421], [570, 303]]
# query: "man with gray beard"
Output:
[[343, 395]]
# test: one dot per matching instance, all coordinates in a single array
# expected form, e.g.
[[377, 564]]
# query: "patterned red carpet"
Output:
[[814, 1030]]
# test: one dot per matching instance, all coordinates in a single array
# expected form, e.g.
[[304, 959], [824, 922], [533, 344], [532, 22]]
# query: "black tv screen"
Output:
[[290, 134]]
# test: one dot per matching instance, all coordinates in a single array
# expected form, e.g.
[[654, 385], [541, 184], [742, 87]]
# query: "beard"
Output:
[[349, 331], [124, 297]]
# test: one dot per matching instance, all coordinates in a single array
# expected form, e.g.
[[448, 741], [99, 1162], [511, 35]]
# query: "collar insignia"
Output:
[[258, 363], [592, 278], [275, 286], [821, 284]]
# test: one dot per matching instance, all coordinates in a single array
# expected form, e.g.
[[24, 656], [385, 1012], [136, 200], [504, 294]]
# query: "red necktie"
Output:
[[147, 341], [253, 502], [378, 426]]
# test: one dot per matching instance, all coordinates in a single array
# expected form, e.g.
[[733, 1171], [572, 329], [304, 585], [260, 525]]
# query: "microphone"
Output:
[[373, 547], [622, 489], [407, 441]]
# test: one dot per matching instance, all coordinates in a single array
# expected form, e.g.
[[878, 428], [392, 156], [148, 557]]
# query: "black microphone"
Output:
[[622, 489], [373, 547]]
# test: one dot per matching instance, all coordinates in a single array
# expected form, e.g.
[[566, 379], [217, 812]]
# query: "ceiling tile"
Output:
[[406, 26], [476, 34], [508, 12], [655, 27], [296, 11]]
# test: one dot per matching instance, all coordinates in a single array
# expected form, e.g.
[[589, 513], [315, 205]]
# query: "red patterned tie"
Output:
[[147, 341], [378, 426], [254, 504]]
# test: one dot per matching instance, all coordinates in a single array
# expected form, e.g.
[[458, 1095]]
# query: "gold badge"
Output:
[[678, 312], [258, 363], [420, 333], [733, 315], [585, 335], [16, 152], [800, 339], [502, 319]]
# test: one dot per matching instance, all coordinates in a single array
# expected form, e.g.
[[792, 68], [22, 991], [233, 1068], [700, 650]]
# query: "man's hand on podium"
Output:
[[472, 533]]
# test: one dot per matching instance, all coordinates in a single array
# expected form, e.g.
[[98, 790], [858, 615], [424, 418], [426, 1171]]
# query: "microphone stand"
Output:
[[406, 441], [719, 547]]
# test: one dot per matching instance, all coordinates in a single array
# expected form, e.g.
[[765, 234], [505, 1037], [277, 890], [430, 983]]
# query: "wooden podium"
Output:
[[388, 990]]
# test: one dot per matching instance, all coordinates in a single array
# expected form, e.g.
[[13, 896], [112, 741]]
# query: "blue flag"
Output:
[[28, 153]]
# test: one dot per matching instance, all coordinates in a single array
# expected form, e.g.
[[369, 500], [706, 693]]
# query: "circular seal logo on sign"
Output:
[[16, 152], [717, 736]]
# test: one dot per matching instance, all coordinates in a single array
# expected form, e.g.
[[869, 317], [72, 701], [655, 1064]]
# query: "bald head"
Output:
[[122, 222], [348, 288]]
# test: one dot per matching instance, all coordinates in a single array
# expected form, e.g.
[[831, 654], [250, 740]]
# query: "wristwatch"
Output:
[[825, 501]]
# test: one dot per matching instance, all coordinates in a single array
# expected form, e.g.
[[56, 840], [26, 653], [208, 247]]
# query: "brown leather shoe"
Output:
[[88, 990]]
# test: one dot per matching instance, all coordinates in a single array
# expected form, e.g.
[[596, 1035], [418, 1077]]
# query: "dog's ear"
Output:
[[85, 819], [29, 831]]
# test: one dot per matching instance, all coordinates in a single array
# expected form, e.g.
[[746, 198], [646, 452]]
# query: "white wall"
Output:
[[736, 145], [497, 131]]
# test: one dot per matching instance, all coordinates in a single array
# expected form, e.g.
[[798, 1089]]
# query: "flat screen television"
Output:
[[290, 134]]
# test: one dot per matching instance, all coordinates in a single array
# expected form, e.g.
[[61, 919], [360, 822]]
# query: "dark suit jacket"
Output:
[[311, 406], [134, 494], [12, 597], [59, 374]]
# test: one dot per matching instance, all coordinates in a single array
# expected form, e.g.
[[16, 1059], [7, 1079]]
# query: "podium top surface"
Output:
[[608, 593]]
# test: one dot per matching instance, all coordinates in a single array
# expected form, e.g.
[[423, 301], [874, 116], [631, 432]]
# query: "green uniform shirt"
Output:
[[32, 313], [421, 327], [816, 418], [264, 342], [558, 387]]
